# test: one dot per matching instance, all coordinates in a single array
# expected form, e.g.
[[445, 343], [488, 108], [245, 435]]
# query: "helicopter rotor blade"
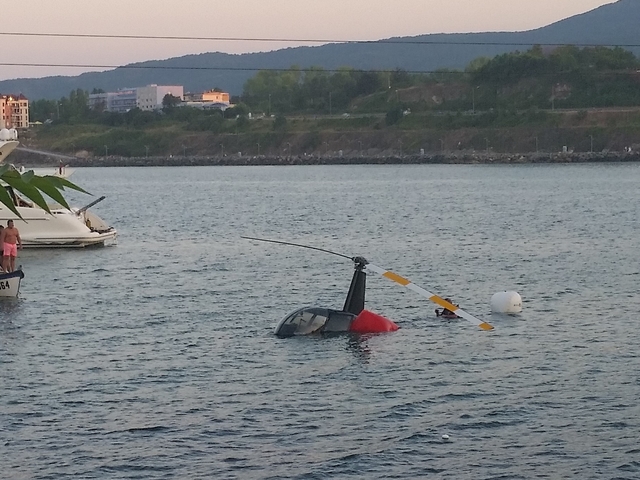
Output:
[[297, 245], [432, 297]]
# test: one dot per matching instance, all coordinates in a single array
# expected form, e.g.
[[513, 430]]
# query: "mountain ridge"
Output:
[[611, 24]]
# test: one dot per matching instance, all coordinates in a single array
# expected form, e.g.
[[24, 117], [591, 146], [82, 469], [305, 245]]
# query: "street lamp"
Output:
[[222, 149], [146, 147], [330, 107], [106, 152], [269, 110], [591, 143], [289, 148], [326, 147], [184, 151], [442, 145], [537, 145], [360, 142], [258, 148]]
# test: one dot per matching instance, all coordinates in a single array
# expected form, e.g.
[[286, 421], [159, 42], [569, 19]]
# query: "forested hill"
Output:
[[613, 24]]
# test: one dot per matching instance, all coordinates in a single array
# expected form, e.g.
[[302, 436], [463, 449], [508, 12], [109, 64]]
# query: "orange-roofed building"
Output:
[[14, 111]]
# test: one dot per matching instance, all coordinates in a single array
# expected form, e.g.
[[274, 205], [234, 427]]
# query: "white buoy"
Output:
[[445, 437], [506, 302]]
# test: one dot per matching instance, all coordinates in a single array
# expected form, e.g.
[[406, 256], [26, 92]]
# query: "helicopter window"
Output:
[[339, 322], [304, 322]]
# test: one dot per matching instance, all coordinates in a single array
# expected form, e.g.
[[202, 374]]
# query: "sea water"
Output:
[[156, 358]]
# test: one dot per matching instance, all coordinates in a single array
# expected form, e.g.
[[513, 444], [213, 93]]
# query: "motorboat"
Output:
[[9, 142], [10, 283], [6, 147], [62, 171], [77, 227]]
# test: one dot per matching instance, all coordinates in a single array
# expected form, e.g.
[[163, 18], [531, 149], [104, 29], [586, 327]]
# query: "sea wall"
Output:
[[468, 158]]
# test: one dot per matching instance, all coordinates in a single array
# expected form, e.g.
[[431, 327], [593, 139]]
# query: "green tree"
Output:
[[394, 115], [280, 123], [169, 102]]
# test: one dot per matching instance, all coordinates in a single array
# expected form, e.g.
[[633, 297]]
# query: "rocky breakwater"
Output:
[[458, 157]]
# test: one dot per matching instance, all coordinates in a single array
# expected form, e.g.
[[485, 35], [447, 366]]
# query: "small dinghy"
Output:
[[10, 283]]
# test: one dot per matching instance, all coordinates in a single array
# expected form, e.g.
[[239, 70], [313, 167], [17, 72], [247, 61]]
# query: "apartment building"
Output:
[[14, 111]]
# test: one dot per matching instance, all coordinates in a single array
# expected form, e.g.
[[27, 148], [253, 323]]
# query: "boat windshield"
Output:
[[18, 201]]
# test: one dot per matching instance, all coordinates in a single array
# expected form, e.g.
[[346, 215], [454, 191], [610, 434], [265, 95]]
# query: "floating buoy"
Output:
[[506, 302]]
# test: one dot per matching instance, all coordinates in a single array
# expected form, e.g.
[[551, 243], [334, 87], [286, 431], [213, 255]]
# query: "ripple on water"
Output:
[[155, 358]]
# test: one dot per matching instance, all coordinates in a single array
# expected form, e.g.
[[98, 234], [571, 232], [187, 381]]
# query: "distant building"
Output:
[[209, 100], [14, 111], [207, 105], [147, 98], [208, 96], [151, 96]]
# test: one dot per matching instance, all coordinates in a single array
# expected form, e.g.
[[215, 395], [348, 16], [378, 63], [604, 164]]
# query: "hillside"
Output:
[[613, 24]]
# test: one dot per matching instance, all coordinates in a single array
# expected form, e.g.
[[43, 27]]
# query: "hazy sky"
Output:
[[289, 19]]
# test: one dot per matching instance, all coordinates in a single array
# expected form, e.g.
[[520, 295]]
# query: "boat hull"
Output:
[[6, 147], [10, 283], [62, 229]]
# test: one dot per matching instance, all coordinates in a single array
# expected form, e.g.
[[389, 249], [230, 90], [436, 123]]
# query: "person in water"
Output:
[[445, 311]]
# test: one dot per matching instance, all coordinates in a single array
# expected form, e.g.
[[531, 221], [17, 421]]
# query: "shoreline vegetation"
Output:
[[446, 158], [560, 105]]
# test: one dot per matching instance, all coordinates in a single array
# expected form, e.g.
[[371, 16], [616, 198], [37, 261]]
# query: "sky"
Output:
[[267, 19]]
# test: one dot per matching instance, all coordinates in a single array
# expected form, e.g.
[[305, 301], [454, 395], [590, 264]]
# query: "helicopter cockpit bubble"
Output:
[[310, 320]]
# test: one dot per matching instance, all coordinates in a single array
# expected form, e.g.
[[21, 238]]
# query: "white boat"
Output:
[[6, 147], [62, 171], [9, 142], [62, 228], [10, 283], [77, 227]]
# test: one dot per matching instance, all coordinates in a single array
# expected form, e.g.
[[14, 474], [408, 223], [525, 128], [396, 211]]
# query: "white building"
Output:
[[151, 96], [120, 102], [222, 106], [147, 98]]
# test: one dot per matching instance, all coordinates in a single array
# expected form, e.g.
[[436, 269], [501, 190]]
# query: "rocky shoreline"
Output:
[[465, 158]]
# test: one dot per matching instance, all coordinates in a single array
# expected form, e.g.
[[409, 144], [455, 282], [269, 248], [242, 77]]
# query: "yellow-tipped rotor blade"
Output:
[[434, 298]]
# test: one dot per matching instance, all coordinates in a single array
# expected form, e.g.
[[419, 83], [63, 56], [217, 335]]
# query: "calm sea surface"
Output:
[[155, 358]]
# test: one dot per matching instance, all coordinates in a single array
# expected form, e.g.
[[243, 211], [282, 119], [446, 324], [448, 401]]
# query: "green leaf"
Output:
[[27, 176], [31, 192], [7, 201], [48, 188], [60, 183]]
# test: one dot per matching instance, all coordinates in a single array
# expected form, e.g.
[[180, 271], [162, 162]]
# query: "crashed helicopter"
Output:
[[354, 317]]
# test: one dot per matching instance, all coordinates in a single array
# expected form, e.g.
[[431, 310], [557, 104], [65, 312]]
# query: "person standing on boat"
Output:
[[11, 242], [2, 269]]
